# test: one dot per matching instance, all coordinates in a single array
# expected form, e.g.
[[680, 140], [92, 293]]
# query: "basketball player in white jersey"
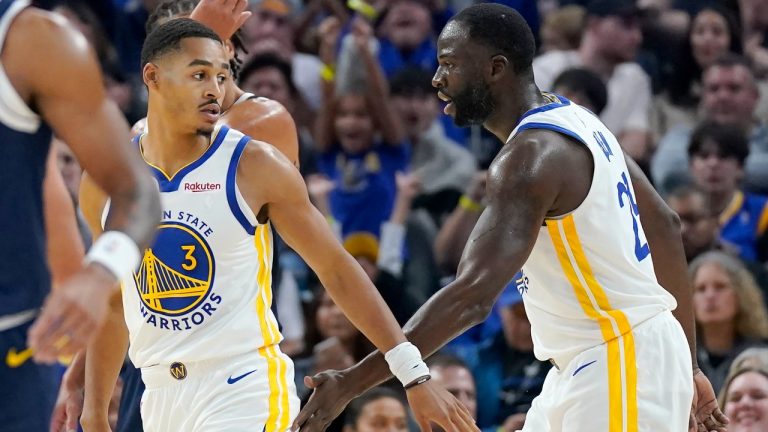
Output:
[[260, 118], [198, 308], [601, 254]]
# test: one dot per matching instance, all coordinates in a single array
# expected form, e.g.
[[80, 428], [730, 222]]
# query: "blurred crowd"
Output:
[[683, 84]]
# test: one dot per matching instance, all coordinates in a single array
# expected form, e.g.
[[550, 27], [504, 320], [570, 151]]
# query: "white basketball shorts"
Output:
[[250, 392], [640, 382]]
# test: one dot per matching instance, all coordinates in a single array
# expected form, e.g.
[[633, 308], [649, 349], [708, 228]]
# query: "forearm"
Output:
[[378, 94], [134, 209], [360, 301], [662, 230], [64, 245], [442, 318], [105, 358]]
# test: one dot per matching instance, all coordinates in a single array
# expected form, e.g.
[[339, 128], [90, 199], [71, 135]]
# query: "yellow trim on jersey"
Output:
[[277, 367], [732, 208], [141, 152], [762, 223], [614, 325]]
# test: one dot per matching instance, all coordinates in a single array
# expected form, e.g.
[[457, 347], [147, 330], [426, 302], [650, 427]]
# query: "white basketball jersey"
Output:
[[203, 289], [589, 278]]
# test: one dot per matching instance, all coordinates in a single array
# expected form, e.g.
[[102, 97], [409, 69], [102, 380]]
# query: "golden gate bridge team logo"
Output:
[[177, 272]]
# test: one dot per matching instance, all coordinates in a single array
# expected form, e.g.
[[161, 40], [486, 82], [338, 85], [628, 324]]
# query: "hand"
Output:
[[329, 31], [408, 185], [329, 398], [222, 16], [69, 406], [362, 32], [72, 313], [476, 189], [430, 402], [705, 414]]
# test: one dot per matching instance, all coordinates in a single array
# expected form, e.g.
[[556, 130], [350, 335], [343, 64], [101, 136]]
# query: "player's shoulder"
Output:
[[38, 25], [263, 157], [255, 109]]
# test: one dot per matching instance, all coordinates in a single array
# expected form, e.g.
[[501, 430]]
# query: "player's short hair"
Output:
[[167, 38], [503, 29], [168, 9], [731, 142], [355, 407], [266, 61]]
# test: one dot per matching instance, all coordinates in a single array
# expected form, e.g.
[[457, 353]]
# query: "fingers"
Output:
[[242, 19], [58, 418], [63, 333], [314, 382]]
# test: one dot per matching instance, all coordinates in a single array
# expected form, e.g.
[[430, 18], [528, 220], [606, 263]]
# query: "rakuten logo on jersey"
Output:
[[201, 187]]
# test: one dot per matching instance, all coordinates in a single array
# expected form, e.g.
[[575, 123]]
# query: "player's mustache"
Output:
[[210, 102]]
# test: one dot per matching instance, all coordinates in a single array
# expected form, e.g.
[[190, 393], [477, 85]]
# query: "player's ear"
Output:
[[499, 65], [150, 74]]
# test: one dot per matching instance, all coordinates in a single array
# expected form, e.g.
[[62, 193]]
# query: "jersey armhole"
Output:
[[573, 135], [237, 204]]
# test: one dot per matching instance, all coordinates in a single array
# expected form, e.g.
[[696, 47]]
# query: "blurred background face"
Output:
[[697, 226], [710, 37], [460, 383], [417, 112], [755, 12], [714, 298], [266, 24], [407, 24], [353, 123], [747, 403], [714, 173], [382, 415], [331, 322], [729, 94], [619, 38], [516, 327], [268, 82]]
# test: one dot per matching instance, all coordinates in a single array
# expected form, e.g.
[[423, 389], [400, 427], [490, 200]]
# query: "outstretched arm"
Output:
[[267, 178], [65, 247], [519, 196], [41, 45], [106, 352]]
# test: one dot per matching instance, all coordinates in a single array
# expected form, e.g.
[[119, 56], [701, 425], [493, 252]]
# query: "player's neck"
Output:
[[170, 149], [516, 101], [719, 337]]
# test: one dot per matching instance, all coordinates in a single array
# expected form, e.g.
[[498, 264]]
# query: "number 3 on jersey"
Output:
[[189, 260], [641, 249]]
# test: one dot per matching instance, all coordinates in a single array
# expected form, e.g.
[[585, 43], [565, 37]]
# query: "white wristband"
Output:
[[115, 251], [405, 363]]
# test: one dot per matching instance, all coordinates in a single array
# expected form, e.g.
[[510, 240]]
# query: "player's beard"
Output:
[[206, 132], [473, 105]]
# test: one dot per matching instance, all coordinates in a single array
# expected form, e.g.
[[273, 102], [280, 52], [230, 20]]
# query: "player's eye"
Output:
[[199, 75], [222, 78]]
